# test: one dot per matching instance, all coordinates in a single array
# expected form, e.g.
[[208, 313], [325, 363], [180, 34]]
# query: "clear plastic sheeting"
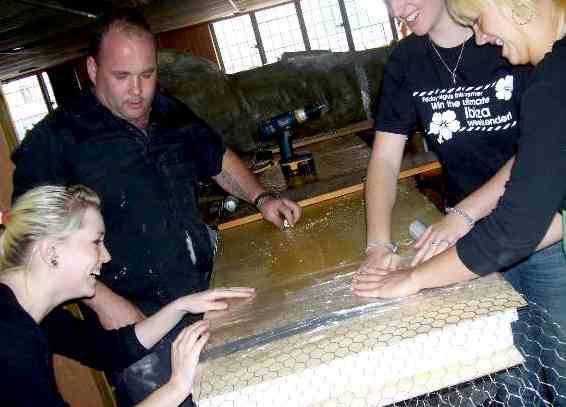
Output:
[[250, 325], [306, 340], [302, 275], [374, 354]]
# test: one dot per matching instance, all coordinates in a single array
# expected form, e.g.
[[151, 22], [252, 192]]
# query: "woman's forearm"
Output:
[[381, 184], [152, 329], [441, 270], [168, 395]]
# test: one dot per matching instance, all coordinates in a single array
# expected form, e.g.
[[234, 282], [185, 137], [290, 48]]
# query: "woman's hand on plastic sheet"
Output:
[[214, 299], [397, 283], [185, 352], [379, 260], [439, 237]]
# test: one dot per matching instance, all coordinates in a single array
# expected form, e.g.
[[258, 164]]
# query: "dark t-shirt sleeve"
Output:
[[209, 150], [395, 112], [91, 344], [535, 191], [39, 159], [206, 145]]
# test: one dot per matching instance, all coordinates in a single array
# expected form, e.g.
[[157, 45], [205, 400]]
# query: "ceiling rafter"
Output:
[[58, 8], [45, 33]]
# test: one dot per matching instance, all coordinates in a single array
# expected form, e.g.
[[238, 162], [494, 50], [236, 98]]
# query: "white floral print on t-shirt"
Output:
[[504, 88], [444, 124]]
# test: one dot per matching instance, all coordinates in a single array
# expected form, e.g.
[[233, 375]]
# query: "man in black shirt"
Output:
[[143, 152]]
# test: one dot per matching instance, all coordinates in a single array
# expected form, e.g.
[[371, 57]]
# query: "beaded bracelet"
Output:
[[260, 199], [460, 212]]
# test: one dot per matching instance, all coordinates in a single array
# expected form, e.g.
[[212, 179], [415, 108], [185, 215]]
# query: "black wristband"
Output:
[[261, 197]]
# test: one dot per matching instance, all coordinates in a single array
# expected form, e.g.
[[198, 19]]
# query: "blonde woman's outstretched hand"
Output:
[[214, 299]]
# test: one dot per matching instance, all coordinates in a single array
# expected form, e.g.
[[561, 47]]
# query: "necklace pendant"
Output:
[[451, 71]]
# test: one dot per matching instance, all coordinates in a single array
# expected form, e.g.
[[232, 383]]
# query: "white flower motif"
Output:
[[504, 88], [444, 124]]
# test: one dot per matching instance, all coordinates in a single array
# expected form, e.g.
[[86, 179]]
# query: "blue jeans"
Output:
[[539, 334]]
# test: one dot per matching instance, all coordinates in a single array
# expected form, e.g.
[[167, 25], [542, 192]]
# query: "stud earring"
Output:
[[53, 257]]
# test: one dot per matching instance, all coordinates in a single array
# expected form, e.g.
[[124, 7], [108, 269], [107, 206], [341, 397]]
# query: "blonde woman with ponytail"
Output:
[[51, 251]]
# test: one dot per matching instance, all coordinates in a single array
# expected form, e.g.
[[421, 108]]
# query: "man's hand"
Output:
[[399, 283], [277, 211], [212, 300], [113, 310], [439, 237]]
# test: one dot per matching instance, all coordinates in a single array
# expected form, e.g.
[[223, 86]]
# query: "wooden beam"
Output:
[[332, 195], [6, 126], [351, 129]]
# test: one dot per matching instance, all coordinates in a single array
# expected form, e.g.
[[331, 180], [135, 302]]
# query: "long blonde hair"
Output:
[[466, 12], [45, 211]]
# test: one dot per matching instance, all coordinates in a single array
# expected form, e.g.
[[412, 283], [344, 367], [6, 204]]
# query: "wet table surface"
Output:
[[307, 341]]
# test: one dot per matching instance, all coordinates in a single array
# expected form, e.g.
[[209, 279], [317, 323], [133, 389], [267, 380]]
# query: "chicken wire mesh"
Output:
[[472, 344], [537, 381]]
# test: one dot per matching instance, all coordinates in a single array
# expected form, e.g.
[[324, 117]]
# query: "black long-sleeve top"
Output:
[[26, 351], [536, 190]]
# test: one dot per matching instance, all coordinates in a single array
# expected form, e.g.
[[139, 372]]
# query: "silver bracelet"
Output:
[[460, 212], [391, 246]]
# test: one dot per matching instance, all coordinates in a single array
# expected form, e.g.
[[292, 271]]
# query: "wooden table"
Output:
[[341, 162], [307, 341]]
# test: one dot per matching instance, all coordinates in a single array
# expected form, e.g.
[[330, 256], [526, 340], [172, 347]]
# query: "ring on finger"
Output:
[[439, 242]]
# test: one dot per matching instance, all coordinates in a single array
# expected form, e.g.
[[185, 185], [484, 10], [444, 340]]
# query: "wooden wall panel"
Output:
[[196, 39], [7, 144], [6, 170], [77, 384]]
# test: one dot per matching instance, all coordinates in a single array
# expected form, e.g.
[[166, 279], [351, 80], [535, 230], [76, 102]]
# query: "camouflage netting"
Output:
[[234, 104]]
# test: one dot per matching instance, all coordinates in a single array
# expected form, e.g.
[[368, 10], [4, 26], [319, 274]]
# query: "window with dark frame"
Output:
[[261, 37], [280, 31], [325, 25], [29, 99], [237, 43], [370, 27]]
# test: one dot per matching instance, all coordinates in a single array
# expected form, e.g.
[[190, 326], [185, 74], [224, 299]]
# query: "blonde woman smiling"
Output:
[[51, 251]]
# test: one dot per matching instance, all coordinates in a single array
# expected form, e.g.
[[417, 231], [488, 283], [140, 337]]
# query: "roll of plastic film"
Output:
[[416, 229]]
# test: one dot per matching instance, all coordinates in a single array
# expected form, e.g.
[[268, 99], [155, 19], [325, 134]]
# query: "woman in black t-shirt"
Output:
[[51, 251], [465, 98]]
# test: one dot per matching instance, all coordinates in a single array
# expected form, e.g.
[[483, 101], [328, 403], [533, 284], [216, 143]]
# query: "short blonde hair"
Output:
[[46, 211]]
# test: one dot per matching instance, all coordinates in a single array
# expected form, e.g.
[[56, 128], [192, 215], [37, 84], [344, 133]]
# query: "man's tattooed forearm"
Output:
[[232, 186]]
